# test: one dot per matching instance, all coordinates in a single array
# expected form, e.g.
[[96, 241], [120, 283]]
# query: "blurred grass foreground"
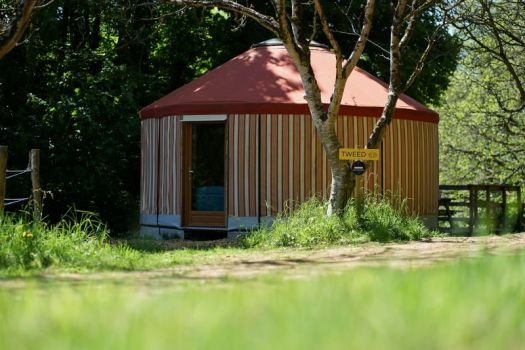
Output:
[[473, 304]]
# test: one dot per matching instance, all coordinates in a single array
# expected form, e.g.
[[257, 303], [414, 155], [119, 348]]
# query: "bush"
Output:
[[77, 240], [372, 218]]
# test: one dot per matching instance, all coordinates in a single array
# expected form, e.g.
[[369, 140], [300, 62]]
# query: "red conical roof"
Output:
[[264, 79]]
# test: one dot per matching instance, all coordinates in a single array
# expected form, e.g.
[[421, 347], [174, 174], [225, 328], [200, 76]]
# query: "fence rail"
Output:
[[471, 209]]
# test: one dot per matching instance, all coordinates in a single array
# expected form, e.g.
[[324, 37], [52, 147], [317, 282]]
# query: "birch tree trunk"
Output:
[[342, 179]]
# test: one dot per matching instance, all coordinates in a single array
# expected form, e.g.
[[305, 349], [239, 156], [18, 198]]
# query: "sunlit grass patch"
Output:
[[369, 218], [79, 241]]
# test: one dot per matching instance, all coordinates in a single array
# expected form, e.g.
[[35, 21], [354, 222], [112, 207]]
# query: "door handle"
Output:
[[190, 173]]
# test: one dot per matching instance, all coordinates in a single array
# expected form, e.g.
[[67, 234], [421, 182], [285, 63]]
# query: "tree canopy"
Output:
[[480, 143], [483, 114]]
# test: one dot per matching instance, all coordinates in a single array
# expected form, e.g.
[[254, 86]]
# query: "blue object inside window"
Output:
[[208, 198]]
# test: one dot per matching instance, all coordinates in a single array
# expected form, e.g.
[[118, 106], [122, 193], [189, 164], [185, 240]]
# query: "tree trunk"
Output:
[[343, 180], [343, 185], [291, 30]]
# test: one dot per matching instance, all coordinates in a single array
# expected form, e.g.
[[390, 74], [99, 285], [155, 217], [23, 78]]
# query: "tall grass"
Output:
[[80, 240], [372, 217], [77, 241], [476, 304]]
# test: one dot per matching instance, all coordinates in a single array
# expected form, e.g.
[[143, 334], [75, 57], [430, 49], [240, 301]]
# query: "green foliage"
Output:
[[480, 142], [482, 129], [80, 242], [371, 218], [473, 304], [383, 221], [77, 241]]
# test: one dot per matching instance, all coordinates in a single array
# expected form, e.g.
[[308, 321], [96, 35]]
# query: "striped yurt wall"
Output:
[[291, 162], [293, 165], [410, 156], [161, 166], [285, 169], [149, 166], [170, 153]]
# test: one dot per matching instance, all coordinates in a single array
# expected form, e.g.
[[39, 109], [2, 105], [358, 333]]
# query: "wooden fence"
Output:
[[33, 168], [478, 209]]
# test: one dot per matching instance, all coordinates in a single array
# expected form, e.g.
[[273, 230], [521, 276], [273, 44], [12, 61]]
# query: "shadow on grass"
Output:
[[158, 246]]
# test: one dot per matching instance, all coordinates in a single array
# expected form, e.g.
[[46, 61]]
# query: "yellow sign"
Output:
[[358, 154]]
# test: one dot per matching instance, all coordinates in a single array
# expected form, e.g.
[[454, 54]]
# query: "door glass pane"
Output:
[[207, 166]]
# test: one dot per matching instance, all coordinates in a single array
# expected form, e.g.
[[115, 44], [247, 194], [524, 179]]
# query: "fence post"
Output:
[[501, 217], [520, 209], [34, 157], [472, 209], [3, 169]]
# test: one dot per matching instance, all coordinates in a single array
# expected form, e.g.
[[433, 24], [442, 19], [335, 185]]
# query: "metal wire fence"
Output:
[[33, 168]]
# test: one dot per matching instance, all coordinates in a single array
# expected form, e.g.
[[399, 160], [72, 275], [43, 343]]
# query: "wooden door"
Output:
[[204, 174]]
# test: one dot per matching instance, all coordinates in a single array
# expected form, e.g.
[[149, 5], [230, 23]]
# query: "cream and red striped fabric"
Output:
[[292, 163]]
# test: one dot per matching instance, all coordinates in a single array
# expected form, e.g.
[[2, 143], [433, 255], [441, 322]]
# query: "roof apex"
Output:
[[279, 42]]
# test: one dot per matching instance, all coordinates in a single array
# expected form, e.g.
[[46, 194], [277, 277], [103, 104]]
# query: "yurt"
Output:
[[233, 148]]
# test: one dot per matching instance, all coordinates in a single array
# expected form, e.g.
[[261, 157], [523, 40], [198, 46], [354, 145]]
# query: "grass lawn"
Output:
[[80, 241], [471, 304], [67, 287]]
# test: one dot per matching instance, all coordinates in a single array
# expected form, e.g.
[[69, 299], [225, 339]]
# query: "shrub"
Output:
[[371, 218]]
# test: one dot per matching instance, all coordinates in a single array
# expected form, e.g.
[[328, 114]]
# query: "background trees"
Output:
[[483, 114], [75, 84]]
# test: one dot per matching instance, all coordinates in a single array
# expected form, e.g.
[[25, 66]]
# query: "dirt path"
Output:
[[303, 263], [298, 263]]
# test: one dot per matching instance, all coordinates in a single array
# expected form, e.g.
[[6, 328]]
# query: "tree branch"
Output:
[[363, 38], [326, 29], [410, 27], [420, 63], [13, 31], [343, 70], [376, 136], [502, 54], [297, 25], [267, 22]]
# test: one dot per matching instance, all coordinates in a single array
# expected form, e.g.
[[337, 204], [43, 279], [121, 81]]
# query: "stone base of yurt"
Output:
[[161, 227], [237, 226]]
